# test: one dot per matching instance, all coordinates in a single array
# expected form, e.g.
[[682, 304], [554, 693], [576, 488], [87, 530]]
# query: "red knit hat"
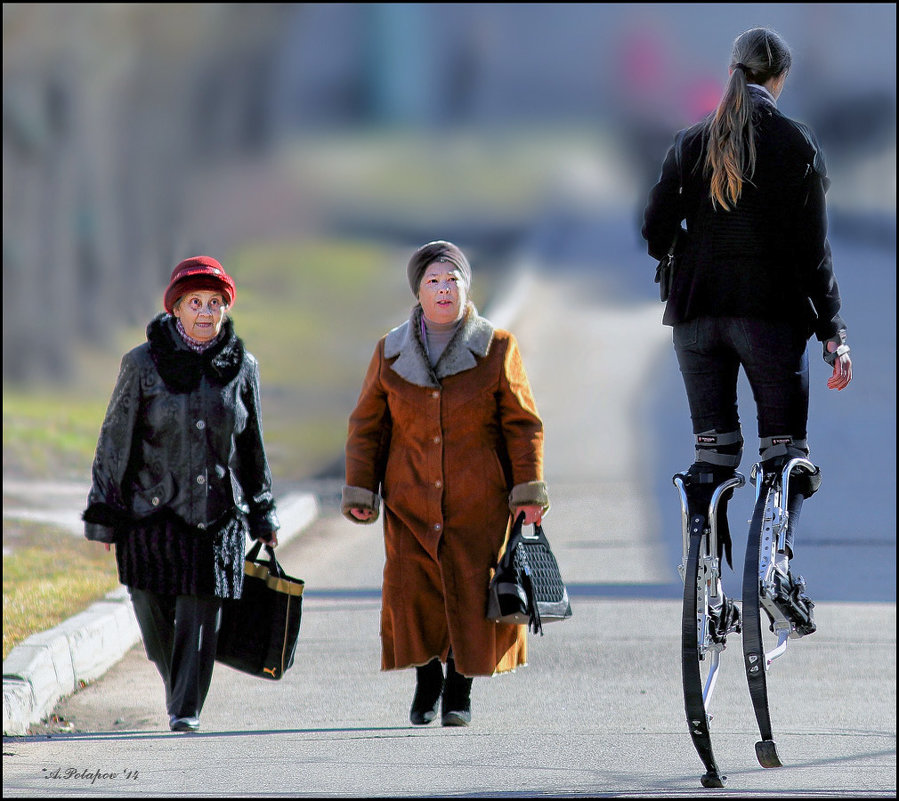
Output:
[[198, 272]]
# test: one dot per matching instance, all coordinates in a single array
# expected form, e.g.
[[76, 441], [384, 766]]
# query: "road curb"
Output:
[[52, 664]]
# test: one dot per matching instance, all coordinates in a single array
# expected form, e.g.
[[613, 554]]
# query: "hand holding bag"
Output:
[[527, 586], [259, 630]]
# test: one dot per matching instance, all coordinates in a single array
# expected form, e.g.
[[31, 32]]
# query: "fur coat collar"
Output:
[[472, 339], [182, 368]]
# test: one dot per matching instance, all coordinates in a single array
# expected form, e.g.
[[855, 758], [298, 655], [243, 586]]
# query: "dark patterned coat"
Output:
[[180, 476]]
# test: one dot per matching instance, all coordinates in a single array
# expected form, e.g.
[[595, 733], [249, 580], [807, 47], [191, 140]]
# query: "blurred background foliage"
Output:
[[311, 147]]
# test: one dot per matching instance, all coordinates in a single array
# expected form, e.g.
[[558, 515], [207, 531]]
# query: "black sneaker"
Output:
[[727, 619], [184, 724], [791, 598]]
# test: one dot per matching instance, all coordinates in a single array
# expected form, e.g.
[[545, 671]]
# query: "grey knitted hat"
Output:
[[436, 251]]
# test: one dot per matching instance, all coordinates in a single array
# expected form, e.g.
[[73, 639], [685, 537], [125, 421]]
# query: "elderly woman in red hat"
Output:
[[180, 479]]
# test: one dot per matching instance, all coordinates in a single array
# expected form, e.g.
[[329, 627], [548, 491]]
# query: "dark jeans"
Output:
[[710, 352], [180, 634]]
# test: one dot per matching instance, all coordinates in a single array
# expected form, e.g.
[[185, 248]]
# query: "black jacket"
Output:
[[182, 438], [769, 256]]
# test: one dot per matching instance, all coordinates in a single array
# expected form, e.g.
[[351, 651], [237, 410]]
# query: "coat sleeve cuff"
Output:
[[359, 498], [530, 493], [99, 533], [101, 522], [263, 523]]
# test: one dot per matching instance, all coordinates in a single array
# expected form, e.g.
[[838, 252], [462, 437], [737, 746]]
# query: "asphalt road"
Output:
[[598, 711]]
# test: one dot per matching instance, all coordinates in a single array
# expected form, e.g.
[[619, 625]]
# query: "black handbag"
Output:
[[665, 271], [259, 630], [665, 267], [527, 586]]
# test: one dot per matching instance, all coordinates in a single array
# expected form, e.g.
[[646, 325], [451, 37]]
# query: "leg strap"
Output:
[[782, 445], [720, 449]]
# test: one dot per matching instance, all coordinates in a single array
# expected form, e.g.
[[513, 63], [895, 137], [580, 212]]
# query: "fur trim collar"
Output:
[[472, 339], [182, 368]]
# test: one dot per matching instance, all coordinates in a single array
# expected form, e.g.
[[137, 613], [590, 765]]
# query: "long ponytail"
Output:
[[758, 55]]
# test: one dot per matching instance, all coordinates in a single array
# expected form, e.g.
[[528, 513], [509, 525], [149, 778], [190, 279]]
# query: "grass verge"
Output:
[[50, 434], [48, 576]]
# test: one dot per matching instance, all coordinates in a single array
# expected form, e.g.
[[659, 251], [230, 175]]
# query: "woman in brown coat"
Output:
[[447, 434]]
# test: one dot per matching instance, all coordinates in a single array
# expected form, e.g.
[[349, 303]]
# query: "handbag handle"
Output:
[[518, 530], [274, 566]]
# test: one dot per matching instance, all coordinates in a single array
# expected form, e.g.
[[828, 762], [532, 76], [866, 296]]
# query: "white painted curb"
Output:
[[52, 664]]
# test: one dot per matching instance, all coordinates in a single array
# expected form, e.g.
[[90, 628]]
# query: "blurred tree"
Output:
[[127, 126], [110, 113]]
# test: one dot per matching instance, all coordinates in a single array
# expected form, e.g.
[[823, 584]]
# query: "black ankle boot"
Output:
[[456, 705], [428, 687]]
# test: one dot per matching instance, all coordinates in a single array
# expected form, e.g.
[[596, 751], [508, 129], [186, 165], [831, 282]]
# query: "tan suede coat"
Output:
[[448, 449]]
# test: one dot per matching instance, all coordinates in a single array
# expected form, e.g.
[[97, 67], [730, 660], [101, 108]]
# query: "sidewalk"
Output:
[[598, 711]]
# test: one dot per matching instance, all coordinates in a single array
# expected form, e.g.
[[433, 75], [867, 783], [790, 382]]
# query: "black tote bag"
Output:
[[527, 586], [259, 630]]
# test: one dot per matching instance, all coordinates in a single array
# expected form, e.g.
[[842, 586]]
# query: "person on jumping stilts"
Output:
[[754, 279]]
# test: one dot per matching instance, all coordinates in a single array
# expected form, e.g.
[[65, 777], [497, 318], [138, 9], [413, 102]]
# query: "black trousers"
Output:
[[180, 634], [772, 353], [774, 357]]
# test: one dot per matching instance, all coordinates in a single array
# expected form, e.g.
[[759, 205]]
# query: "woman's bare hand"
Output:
[[532, 514], [842, 369]]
